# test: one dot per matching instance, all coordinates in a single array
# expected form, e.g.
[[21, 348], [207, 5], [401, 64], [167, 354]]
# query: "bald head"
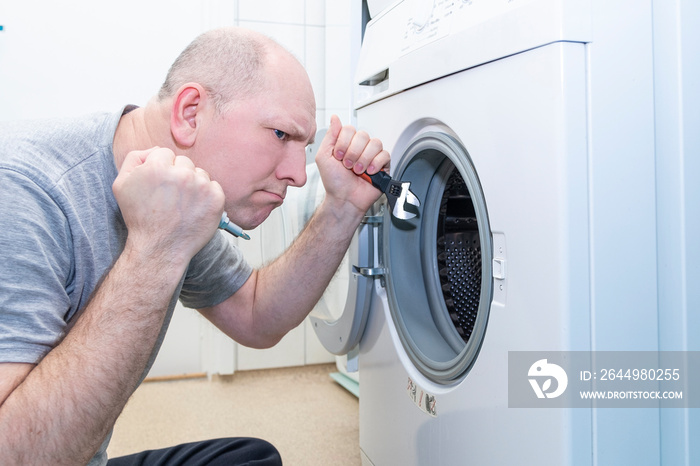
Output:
[[230, 63]]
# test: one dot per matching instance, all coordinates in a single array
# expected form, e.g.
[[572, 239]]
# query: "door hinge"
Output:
[[376, 221], [370, 272]]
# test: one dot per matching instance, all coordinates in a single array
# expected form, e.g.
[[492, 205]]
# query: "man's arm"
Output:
[[63, 409], [278, 297], [60, 411]]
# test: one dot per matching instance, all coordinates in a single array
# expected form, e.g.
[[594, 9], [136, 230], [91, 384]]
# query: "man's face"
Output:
[[257, 148]]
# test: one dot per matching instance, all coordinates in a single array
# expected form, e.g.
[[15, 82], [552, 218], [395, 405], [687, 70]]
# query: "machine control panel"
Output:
[[454, 35], [430, 20]]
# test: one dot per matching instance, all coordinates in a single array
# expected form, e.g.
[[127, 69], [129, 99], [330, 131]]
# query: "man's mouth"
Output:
[[279, 195]]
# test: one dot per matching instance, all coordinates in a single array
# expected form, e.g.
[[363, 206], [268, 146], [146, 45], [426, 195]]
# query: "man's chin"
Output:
[[259, 217]]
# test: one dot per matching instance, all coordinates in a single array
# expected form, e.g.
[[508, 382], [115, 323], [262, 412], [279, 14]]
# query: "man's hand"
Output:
[[343, 155], [169, 206]]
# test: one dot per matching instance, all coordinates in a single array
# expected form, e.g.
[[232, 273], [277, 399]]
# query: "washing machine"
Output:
[[525, 128]]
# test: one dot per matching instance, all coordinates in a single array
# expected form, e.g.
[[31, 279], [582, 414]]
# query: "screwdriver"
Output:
[[227, 225]]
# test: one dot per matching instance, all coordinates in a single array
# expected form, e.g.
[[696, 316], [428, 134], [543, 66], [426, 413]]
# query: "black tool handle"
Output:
[[379, 180]]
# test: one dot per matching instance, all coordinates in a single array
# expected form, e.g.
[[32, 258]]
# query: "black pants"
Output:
[[225, 451]]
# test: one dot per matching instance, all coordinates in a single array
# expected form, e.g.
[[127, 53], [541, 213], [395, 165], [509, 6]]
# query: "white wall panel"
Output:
[[72, 58], [272, 11]]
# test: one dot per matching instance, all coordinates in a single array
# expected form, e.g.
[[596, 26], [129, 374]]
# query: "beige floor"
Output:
[[302, 411]]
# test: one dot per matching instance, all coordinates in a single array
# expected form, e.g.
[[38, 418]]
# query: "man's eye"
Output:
[[281, 135]]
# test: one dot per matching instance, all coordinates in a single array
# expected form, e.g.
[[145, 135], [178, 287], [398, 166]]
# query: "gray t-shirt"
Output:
[[61, 230]]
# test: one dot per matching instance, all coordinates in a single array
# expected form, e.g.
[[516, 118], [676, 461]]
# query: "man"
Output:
[[107, 220]]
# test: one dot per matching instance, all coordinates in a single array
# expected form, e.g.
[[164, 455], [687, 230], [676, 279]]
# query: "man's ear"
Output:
[[187, 113]]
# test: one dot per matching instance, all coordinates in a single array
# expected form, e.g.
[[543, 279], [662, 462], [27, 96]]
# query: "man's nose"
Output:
[[293, 167]]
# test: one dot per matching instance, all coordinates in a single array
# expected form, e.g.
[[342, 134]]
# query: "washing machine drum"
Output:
[[459, 255], [439, 286]]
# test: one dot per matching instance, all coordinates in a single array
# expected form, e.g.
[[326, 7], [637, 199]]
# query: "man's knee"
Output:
[[217, 452], [250, 451]]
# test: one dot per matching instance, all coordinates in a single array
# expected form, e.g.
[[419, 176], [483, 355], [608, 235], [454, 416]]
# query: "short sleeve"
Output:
[[214, 274], [34, 272]]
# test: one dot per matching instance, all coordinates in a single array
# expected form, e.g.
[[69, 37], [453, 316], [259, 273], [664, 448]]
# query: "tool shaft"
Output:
[[227, 225]]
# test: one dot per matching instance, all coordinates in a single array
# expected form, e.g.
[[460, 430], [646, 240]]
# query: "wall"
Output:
[[69, 58]]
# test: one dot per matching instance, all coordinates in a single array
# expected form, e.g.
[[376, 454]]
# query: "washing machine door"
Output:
[[340, 333], [439, 265]]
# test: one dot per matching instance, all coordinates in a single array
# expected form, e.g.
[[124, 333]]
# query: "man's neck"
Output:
[[139, 129]]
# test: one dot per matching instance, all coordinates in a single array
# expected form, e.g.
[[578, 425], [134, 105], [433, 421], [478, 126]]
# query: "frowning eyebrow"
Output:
[[292, 128], [300, 135]]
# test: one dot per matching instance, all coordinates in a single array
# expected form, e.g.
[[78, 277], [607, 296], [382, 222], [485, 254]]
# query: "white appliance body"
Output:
[[522, 121], [543, 110]]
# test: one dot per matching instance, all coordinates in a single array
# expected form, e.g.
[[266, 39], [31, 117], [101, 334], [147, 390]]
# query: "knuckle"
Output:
[[352, 153], [163, 151]]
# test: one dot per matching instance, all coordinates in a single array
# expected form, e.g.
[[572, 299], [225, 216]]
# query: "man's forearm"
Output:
[[64, 408], [295, 282]]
